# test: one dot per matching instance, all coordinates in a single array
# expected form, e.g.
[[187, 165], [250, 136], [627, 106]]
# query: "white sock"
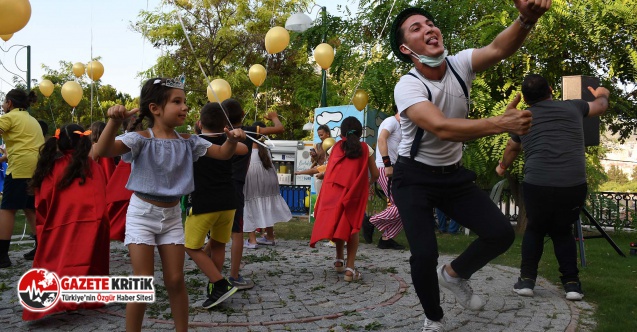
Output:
[[448, 277]]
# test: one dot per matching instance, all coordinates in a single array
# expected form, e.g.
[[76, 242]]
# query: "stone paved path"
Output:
[[297, 289]]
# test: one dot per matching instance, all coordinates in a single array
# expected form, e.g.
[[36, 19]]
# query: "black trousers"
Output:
[[416, 192], [552, 211]]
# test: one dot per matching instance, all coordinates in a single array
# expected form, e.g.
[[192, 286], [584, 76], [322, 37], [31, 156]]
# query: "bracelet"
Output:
[[524, 23], [502, 165], [386, 161]]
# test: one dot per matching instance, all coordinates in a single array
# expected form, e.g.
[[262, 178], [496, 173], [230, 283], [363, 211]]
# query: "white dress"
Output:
[[264, 205]]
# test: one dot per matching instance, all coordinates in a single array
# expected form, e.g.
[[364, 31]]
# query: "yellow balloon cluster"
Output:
[[276, 40], [46, 87], [72, 93], [78, 69], [94, 70], [324, 55], [328, 143], [360, 100], [14, 15], [221, 88], [6, 37], [257, 74]]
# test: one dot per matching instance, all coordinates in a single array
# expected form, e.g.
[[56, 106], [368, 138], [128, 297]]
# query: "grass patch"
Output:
[[609, 281]]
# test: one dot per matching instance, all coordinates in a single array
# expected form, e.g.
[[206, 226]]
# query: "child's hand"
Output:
[[119, 112], [271, 115], [236, 135]]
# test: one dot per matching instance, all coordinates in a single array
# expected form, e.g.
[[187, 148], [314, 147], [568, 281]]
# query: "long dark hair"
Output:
[[352, 130], [53, 148], [153, 92], [264, 153], [21, 99], [97, 128]]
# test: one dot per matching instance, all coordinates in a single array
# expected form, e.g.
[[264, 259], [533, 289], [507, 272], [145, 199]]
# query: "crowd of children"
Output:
[[84, 188]]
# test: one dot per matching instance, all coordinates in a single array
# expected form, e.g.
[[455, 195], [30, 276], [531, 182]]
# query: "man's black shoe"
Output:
[[368, 230], [5, 261], [390, 244]]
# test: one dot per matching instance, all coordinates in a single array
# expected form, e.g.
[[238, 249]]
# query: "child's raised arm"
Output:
[[107, 146], [227, 150]]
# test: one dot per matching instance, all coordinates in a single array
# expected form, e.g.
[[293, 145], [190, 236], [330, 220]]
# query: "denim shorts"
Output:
[[153, 225]]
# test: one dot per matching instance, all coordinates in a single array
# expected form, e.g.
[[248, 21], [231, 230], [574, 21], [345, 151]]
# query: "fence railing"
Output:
[[610, 209], [613, 209]]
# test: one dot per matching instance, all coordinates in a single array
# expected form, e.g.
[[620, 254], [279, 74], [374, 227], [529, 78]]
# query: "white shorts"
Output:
[[153, 225]]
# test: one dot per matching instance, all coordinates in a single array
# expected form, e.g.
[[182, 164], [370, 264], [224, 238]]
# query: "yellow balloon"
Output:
[[276, 40], [221, 88], [324, 55], [328, 143], [361, 98], [257, 74], [72, 93], [94, 70], [78, 69], [46, 87], [6, 37], [14, 15]]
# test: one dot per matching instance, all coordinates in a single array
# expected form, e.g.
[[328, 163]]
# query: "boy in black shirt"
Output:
[[212, 208]]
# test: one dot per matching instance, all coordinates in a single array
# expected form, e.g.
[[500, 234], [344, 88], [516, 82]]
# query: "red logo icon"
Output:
[[39, 290]]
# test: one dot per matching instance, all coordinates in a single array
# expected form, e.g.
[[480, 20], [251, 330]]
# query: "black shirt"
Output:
[[214, 190]]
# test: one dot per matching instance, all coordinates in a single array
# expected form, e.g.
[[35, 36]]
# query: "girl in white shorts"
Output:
[[161, 173]]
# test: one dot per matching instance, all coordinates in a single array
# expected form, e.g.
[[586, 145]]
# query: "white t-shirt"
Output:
[[447, 94], [393, 127]]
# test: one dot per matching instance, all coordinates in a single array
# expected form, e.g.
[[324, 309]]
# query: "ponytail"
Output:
[[351, 130]]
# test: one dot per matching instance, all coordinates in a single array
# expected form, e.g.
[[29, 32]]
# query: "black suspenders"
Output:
[[420, 132]]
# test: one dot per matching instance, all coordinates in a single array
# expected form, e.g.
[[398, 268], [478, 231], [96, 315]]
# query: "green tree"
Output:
[[54, 106], [615, 174]]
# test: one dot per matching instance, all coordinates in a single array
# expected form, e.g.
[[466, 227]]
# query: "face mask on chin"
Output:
[[427, 60]]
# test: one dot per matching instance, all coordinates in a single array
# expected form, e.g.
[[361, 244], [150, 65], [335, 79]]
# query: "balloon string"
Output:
[[256, 103], [52, 116], [183, 27], [370, 53]]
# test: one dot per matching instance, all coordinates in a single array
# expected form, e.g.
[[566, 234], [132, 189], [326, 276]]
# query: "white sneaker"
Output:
[[263, 240], [461, 289], [433, 326], [249, 245]]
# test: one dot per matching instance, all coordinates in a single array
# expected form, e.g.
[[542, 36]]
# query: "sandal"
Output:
[[355, 275], [341, 268]]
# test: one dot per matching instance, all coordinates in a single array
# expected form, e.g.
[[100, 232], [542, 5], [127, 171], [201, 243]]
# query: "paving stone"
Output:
[[297, 289]]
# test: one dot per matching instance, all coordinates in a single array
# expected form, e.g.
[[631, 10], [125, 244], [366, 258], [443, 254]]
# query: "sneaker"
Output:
[[461, 289], [330, 244], [5, 261], [249, 245], [217, 295], [433, 326], [30, 255], [573, 290], [264, 241], [524, 287], [241, 282], [389, 244], [368, 230]]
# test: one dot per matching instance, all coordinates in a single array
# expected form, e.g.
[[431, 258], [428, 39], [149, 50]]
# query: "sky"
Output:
[[72, 30]]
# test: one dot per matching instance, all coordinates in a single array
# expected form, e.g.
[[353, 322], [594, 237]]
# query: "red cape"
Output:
[[72, 229], [342, 201], [117, 199], [108, 165]]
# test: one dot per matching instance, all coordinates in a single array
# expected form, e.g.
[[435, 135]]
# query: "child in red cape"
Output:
[[341, 205], [71, 223]]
